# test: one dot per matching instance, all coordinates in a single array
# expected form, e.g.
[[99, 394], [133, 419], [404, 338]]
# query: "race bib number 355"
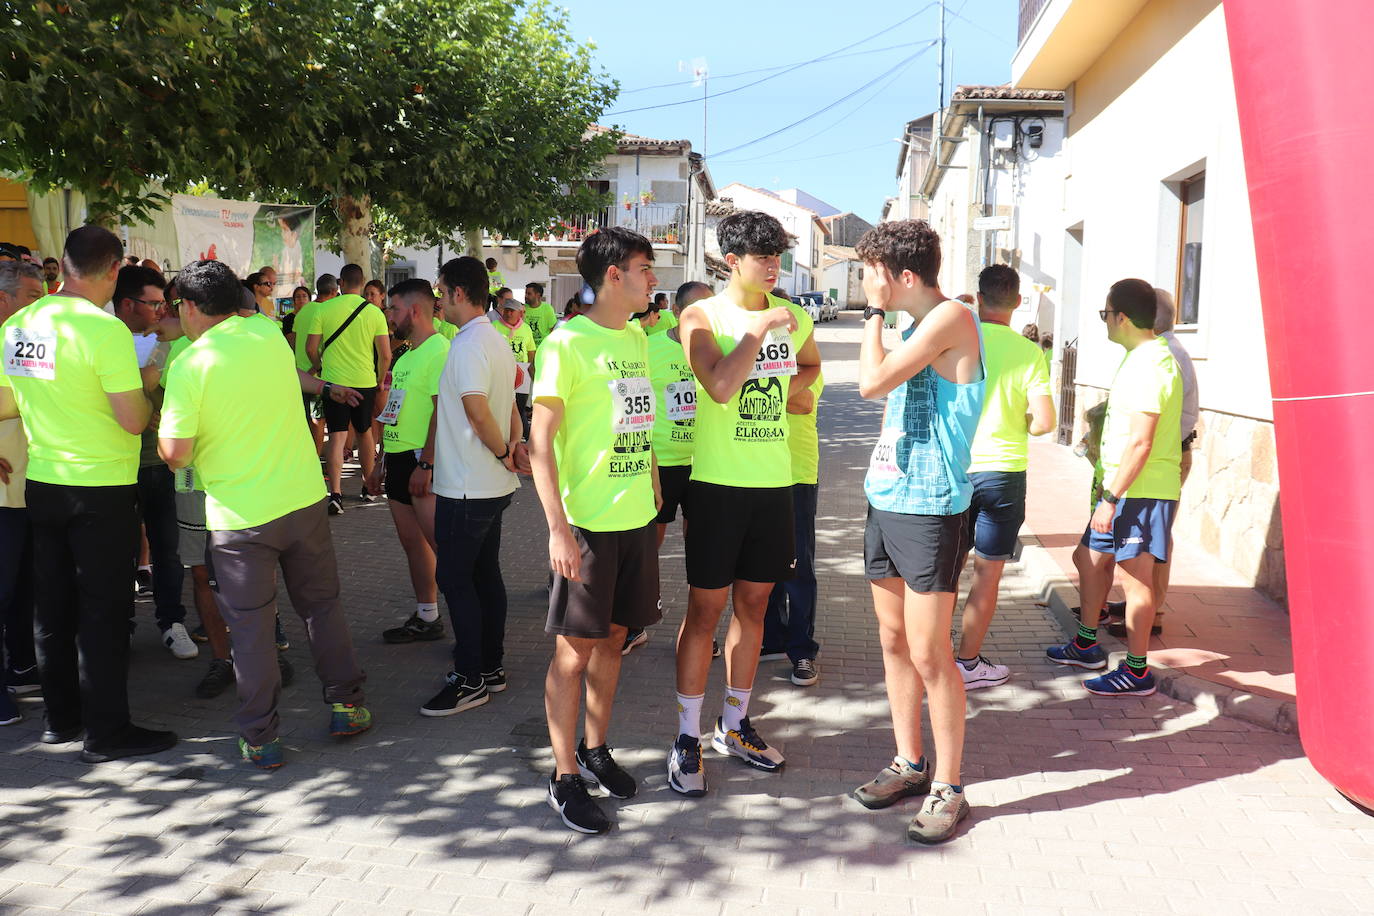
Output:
[[632, 404], [776, 356], [31, 354]]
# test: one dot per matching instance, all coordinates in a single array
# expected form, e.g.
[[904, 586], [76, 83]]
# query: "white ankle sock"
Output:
[[736, 707], [428, 612], [689, 715]]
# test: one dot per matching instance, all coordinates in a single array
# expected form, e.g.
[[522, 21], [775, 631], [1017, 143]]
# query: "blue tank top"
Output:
[[920, 464]]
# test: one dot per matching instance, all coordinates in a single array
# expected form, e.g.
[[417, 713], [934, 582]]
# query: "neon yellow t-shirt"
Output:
[[520, 338], [602, 449], [541, 318], [666, 322], [444, 329], [417, 375], [237, 397], [743, 442], [62, 356], [1016, 372], [675, 402], [496, 279], [307, 321], [1147, 381], [349, 359], [803, 441]]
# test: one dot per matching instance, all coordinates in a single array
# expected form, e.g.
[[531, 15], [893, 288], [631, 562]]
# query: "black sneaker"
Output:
[[415, 630], [495, 680], [568, 796], [143, 582], [366, 496], [804, 672], [54, 735], [598, 768], [199, 635], [456, 696], [288, 673], [23, 682], [280, 636], [132, 741], [216, 680], [633, 640], [335, 503]]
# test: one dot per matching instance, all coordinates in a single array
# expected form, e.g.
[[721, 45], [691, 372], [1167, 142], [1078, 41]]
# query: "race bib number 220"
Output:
[[31, 354]]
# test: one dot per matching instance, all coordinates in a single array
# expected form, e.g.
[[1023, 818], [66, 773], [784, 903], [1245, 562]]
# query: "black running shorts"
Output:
[[338, 417], [672, 481], [739, 533], [924, 550], [396, 477], [619, 585]]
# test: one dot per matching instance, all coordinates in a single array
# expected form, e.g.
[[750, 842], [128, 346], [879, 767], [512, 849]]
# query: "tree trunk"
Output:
[[472, 241], [355, 231]]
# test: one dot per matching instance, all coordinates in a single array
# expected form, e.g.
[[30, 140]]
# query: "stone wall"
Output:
[[1230, 504]]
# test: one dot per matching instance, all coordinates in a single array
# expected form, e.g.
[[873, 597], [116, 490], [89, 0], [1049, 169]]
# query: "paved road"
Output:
[[1082, 804]]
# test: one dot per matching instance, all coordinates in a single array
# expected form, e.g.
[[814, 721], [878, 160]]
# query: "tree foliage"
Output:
[[448, 114]]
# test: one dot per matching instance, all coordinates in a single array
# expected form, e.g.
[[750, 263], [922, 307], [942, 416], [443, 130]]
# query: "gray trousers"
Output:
[[244, 566]]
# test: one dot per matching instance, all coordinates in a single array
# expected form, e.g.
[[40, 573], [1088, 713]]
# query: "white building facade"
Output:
[[801, 267]]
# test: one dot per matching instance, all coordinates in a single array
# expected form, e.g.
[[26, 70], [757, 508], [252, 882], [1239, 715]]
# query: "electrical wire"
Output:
[[790, 69], [844, 98], [845, 117]]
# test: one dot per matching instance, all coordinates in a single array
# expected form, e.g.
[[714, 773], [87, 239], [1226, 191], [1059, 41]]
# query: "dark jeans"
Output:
[[16, 590], [468, 535], [158, 507], [790, 622], [85, 540], [244, 566]]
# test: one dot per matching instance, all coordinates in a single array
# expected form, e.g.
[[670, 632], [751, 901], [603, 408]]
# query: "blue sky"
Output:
[[846, 155]]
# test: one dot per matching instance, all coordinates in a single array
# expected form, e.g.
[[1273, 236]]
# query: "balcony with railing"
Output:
[[1029, 9], [665, 225]]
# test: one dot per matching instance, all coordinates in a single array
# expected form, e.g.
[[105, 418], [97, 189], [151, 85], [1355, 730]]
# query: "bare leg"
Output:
[[333, 461], [1137, 580], [904, 688], [209, 613], [1094, 582], [928, 617], [704, 607], [317, 433], [424, 515], [603, 674], [745, 635], [419, 554], [980, 606], [563, 697], [367, 451]]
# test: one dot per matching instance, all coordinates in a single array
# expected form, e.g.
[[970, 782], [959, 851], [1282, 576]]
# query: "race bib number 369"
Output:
[[632, 404], [31, 354], [776, 356]]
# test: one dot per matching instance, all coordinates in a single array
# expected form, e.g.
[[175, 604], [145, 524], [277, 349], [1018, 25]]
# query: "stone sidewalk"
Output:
[[1081, 804]]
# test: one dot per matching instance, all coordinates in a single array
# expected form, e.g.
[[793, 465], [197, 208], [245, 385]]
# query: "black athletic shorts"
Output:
[[673, 480], [619, 585], [739, 533], [338, 417], [396, 478], [925, 550]]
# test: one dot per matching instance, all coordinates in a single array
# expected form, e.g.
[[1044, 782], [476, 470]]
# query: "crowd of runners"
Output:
[[176, 409]]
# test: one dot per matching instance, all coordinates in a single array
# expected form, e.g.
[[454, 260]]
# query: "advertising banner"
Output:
[[246, 236]]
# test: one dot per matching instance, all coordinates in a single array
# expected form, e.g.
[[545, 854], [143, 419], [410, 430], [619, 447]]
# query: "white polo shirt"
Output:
[[479, 362]]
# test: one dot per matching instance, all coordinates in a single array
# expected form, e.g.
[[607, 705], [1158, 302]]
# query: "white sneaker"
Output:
[[983, 674], [178, 641]]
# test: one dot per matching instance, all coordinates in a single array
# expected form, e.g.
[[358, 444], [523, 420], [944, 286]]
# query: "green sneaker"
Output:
[[347, 719], [265, 756]]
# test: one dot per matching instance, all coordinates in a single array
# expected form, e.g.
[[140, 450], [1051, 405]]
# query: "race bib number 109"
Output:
[[632, 404], [31, 354]]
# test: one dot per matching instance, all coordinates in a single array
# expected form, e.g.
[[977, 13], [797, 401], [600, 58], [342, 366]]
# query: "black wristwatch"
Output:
[[324, 389], [424, 465], [870, 311], [504, 455], [1109, 497]]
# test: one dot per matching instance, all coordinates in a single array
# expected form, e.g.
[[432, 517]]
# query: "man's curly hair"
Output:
[[908, 244]]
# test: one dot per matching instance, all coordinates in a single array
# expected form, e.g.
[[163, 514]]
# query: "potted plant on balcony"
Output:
[[670, 236], [626, 201], [646, 197]]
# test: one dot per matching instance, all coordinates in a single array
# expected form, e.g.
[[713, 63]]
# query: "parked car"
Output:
[[812, 307], [830, 310]]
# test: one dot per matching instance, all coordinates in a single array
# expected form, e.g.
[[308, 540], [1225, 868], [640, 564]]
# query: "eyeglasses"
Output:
[[154, 302], [266, 283], [1105, 312]]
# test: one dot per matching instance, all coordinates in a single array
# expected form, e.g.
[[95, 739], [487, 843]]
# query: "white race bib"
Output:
[[525, 379], [632, 404], [775, 356], [394, 399], [31, 354], [681, 400], [883, 462]]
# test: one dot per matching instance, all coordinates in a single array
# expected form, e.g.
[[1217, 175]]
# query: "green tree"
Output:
[[452, 115]]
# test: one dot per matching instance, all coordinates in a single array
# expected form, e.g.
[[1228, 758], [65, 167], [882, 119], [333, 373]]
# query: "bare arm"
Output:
[[312, 350], [880, 371], [176, 452], [422, 479], [9, 407], [132, 409], [1042, 416], [383, 345], [564, 556], [722, 376], [808, 365]]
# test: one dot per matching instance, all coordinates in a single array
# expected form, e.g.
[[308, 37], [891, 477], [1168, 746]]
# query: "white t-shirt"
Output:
[[479, 362], [1188, 420]]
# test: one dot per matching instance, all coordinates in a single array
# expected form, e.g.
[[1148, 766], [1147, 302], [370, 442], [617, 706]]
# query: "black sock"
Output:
[[1136, 664], [1086, 638]]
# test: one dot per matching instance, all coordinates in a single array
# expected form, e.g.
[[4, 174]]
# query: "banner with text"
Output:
[[246, 236]]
